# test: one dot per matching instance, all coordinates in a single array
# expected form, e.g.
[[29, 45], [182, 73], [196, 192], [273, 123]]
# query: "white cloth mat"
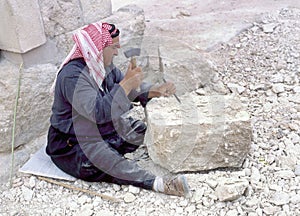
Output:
[[40, 164]]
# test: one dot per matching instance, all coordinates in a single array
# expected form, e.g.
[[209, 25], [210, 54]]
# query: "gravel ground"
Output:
[[261, 64]]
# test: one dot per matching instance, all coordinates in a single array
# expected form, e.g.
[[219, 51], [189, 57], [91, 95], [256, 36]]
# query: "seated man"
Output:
[[88, 135]]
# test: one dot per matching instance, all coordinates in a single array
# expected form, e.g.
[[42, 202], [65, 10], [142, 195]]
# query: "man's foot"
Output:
[[177, 186]]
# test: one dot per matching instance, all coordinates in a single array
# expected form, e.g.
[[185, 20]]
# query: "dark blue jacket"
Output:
[[80, 108]]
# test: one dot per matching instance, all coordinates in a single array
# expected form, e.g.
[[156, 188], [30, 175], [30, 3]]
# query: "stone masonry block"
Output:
[[47, 53], [95, 10], [131, 22], [201, 133], [22, 23], [184, 66], [61, 16], [34, 107]]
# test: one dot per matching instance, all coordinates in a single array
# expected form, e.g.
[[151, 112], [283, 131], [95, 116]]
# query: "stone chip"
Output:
[[231, 189], [129, 197]]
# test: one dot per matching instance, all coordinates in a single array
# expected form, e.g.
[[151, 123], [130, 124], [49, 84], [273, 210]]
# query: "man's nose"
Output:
[[116, 52]]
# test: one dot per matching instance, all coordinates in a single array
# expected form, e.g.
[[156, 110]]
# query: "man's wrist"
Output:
[[153, 94], [125, 87]]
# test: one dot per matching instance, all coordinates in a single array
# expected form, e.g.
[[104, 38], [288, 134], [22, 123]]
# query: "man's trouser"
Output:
[[97, 161]]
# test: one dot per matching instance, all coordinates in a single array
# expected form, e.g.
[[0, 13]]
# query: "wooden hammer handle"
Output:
[[133, 62]]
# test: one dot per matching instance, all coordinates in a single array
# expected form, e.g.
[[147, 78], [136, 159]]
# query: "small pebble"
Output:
[[129, 197]]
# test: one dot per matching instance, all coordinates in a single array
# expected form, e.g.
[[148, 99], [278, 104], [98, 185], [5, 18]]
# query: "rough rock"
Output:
[[34, 104], [203, 132], [183, 65], [295, 199], [129, 197], [295, 98], [253, 202], [190, 209], [269, 28], [130, 20], [235, 88], [232, 212], [278, 88], [255, 175], [231, 189], [297, 170], [46, 53], [104, 212], [180, 14], [21, 155], [133, 190], [95, 10], [86, 210], [271, 210], [62, 18], [280, 198], [181, 28], [285, 174], [27, 193], [22, 24]]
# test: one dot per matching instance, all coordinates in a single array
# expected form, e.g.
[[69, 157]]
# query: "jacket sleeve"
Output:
[[98, 106], [136, 96]]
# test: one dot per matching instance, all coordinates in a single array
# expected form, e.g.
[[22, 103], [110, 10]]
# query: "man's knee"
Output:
[[139, 127]]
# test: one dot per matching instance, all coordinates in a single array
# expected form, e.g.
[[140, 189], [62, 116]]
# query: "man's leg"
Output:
[[114, 167], [89, 172], [131, 140]]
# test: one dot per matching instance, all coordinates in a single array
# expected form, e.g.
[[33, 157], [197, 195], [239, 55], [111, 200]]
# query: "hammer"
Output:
[[131, 53]]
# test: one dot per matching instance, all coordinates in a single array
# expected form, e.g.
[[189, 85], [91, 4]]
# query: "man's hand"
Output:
[[166, 89], [132, 79]]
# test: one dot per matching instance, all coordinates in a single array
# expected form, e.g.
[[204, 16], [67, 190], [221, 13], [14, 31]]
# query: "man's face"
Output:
[[111, 51]]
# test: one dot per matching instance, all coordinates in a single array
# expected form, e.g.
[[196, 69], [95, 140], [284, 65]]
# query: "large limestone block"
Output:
[[47, 53], [131, 22], [21, 155], [201, 133], [203, 31], [21, 25], [34, 105], [185, 66], [61, 16], [94, 10]]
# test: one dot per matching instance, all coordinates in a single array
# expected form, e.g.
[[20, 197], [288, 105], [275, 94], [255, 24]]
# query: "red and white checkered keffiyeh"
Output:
[[89, 44]]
